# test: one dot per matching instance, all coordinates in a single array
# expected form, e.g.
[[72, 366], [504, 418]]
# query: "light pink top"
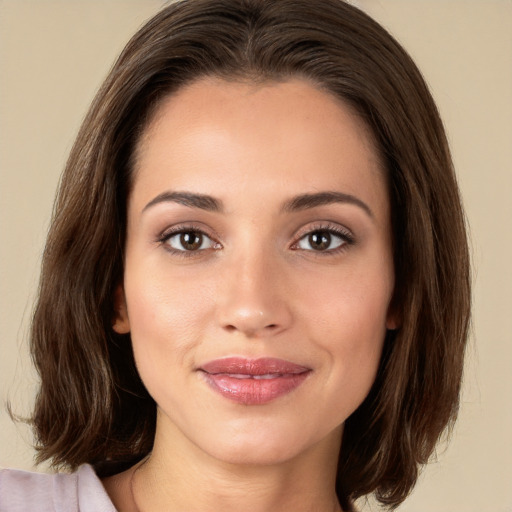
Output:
[[82, 491]]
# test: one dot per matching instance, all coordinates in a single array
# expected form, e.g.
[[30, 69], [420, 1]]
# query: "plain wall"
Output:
[[53, 56]]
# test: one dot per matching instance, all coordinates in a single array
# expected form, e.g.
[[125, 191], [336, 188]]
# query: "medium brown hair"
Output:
[[92, 406]]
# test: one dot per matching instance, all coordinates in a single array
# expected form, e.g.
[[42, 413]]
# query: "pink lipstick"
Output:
[[253, 381]]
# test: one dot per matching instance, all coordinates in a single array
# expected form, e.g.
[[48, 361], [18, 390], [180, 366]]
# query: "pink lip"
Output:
[[253, 381]]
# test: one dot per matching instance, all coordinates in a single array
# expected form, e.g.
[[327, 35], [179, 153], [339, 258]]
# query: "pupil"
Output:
[[320, 240], [191, 241]]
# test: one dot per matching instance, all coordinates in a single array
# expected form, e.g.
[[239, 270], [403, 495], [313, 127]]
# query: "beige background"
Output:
[[53, 56]]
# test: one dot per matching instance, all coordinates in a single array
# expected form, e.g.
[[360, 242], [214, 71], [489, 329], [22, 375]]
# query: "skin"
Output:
[[256, 287]]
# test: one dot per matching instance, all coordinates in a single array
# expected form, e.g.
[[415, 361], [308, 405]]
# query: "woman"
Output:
[[255, 290]]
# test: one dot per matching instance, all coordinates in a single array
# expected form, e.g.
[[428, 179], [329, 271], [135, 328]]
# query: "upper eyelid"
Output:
[[333, 227], [170, 234], [181, 228], [336, 229], [165, 236]]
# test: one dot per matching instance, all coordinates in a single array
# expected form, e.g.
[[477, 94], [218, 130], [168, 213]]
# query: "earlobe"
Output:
[[121, 322], [393, 318], [391, 323]]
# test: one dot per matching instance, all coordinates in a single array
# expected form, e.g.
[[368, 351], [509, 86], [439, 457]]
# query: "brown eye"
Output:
[[188, 241], [191, 241], [321, 240]]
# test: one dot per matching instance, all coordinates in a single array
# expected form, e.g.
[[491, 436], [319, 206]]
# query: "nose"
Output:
[[254, 298]]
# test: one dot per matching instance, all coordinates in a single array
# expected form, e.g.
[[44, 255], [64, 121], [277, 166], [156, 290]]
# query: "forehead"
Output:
[[212, 100], [290, 135]]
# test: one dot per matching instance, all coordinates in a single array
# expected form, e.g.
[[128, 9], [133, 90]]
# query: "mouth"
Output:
[[253, 381]]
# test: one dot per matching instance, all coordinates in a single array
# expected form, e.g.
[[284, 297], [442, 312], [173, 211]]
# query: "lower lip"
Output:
[[254, 391]]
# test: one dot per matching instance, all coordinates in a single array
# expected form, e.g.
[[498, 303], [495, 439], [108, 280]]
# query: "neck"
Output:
[[179, 476]]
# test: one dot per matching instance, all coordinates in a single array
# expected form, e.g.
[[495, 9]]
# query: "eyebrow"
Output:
[[192, 200], [307, 201], [297, 203]]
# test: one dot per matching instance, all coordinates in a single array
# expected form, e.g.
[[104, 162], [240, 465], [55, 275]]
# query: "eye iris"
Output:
[[191, 241], [320, 240]]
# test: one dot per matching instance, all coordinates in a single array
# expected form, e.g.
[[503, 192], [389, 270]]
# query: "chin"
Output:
[[269, 446], [249, 454]]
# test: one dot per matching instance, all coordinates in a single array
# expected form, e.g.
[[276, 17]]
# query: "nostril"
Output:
[[251, 330]]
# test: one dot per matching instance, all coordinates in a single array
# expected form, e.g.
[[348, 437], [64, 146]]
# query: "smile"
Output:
[[253, 382]]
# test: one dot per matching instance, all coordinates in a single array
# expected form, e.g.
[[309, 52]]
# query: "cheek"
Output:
[[350, 314], [167, 315], [350, 305]]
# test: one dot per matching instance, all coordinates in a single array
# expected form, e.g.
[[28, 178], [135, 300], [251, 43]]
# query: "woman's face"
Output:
[[258, 269]]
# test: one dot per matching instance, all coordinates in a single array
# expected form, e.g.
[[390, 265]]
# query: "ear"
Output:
[[392, 323], [393, 318], [121, 322]]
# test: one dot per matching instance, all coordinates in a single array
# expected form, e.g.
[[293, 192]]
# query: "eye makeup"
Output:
[[321, 238]]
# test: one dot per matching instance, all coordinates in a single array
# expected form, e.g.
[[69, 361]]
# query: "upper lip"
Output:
[[243, 366]]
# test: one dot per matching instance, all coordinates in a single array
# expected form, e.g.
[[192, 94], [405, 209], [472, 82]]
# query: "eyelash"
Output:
[[346, 236], [347, 239], [164, 238]]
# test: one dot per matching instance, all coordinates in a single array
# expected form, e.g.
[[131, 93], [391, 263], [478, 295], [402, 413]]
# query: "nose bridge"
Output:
[[252, 298]]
